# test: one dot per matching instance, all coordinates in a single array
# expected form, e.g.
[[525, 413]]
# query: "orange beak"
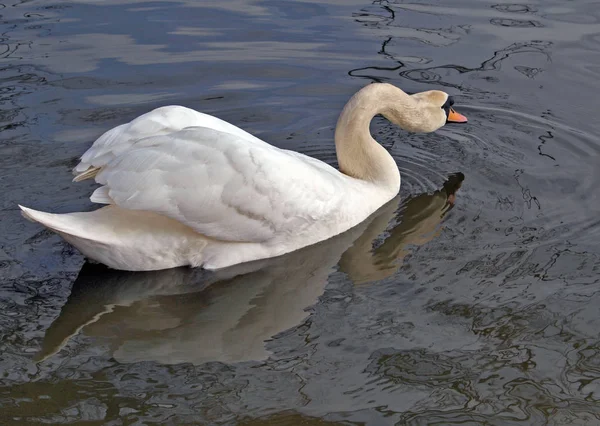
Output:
[[455, 117]]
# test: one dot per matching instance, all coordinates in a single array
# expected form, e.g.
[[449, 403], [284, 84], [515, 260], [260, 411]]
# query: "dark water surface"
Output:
[[471, 305]]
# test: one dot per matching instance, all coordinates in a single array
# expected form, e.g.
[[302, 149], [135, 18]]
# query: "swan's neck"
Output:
[[359, 155]]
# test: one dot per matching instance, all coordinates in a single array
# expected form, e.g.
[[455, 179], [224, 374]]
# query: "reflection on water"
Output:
[[420, 219], [483, 310], [188, 315]]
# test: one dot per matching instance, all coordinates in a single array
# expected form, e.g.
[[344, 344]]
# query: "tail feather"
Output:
[[63, 223], [126, 239]]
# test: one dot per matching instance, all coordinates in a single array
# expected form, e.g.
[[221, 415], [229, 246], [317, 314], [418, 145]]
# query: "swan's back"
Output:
[[160, 121]]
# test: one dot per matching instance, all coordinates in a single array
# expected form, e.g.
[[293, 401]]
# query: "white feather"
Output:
[[160, 121], [101, 196]]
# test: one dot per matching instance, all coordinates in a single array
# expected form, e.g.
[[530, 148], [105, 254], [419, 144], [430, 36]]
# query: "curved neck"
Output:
[[359, 155]]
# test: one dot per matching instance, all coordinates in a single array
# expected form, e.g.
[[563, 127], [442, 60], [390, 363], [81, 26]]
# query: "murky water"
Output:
[[473, 298]]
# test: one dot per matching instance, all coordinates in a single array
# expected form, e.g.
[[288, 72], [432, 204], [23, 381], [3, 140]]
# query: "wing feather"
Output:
[[160, 121], [222, 185]]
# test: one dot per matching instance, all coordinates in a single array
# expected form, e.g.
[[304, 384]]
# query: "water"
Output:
[[471, 299]]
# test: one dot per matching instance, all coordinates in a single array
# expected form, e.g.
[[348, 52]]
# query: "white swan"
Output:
[[186, 188]]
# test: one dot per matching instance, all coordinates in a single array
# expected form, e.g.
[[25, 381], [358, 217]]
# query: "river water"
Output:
[[471, 299]]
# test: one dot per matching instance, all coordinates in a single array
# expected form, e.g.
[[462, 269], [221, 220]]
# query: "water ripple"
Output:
[[471, 299]]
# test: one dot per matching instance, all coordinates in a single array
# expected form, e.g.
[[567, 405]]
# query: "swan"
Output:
[[183, 188]]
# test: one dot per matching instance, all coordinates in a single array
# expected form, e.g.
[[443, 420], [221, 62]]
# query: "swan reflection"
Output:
[[191, 315]]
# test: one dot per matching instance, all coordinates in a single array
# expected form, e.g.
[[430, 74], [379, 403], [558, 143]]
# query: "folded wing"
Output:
[[222, 185]]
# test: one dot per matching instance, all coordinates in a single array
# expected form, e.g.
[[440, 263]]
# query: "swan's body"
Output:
[[186, 188]]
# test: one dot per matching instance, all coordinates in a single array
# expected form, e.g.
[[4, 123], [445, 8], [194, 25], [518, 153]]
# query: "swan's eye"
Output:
[[449, 103]]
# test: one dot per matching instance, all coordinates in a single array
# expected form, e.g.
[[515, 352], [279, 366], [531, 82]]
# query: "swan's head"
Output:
[[422, 112], [434, 109]]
